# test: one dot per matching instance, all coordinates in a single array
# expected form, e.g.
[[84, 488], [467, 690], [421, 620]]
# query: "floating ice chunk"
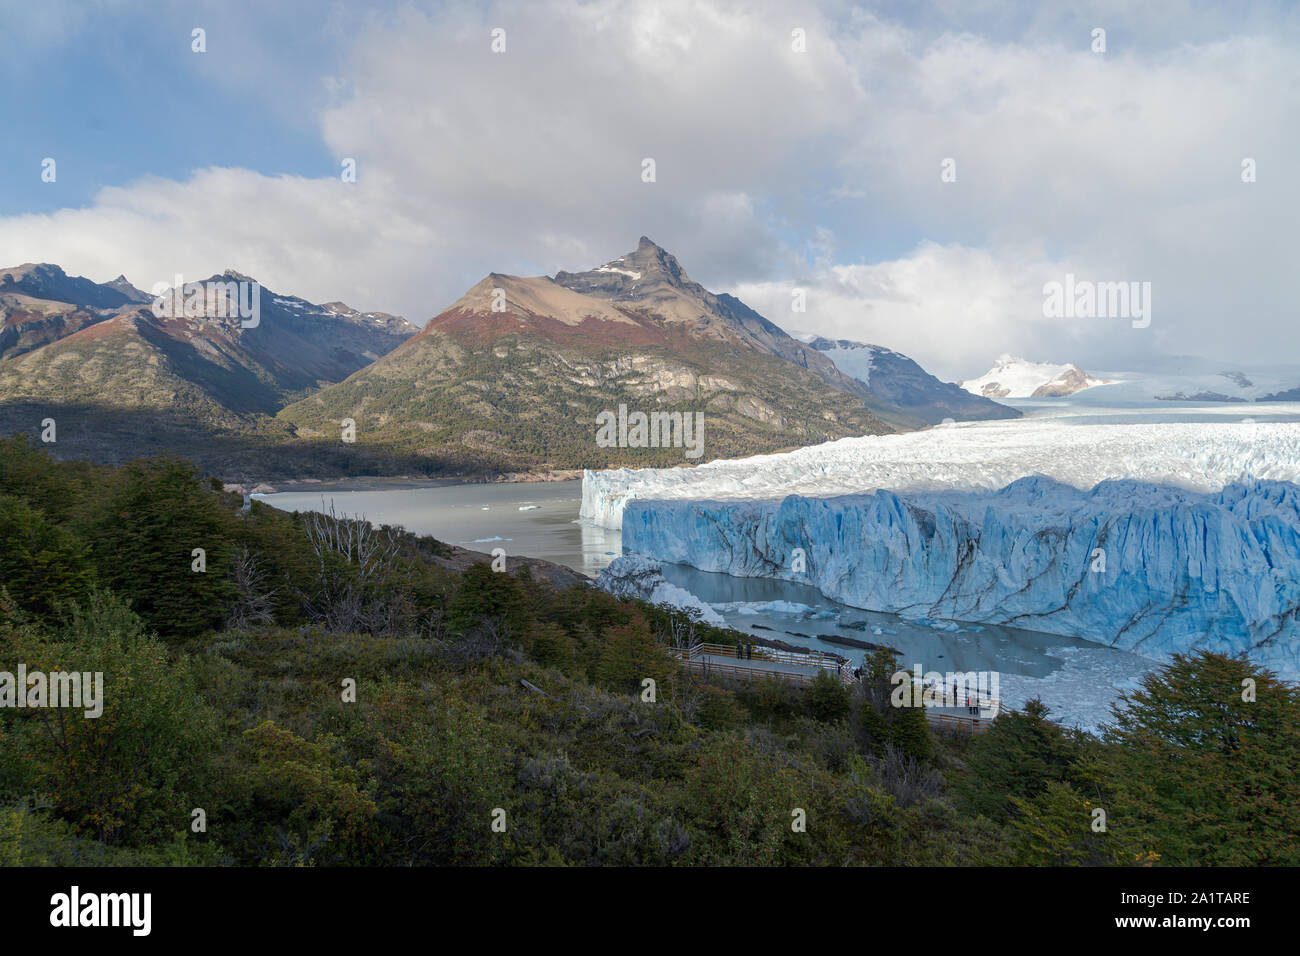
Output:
[[638, 577]]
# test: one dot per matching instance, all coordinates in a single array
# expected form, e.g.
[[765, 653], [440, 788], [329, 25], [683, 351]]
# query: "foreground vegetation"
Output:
[[325, 693]]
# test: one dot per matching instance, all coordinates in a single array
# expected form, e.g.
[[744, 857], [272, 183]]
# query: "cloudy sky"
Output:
[[776, 168]]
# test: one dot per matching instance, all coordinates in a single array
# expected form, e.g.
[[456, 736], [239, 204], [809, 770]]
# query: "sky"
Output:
[[779, 166]]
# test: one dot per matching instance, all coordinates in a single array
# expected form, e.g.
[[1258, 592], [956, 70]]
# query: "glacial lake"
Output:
[[540, 519], [537, 519]]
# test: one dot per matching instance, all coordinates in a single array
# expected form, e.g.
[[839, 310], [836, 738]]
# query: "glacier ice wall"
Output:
[[969, 456], [1139, 566]]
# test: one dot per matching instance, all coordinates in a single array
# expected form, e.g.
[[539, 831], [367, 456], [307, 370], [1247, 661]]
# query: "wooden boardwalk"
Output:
[[760, 663], [974, 712]]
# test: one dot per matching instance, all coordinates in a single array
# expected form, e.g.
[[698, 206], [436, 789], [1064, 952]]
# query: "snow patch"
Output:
[[610, 267]]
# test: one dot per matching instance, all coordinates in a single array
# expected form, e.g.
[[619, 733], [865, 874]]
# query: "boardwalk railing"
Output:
[[796, 667], [958, 697], [977, 724], [746, 673], [802, 658], [802, 668]]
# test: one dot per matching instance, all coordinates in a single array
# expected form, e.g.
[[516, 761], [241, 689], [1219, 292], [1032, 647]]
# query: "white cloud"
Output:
[[308, 237], [953, 305], [776, 169]]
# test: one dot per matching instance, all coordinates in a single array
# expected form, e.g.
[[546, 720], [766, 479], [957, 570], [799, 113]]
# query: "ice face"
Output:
[[977, 455], [1139, 566]]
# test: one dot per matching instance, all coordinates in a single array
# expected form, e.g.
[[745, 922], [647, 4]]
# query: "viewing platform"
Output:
[[970, 711], [750, 662]]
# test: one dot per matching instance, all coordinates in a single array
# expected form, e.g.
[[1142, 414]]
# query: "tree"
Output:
[[144, 544], [358, 587], [551, 647], [41, 564], [828, 699], [909, 732], [122, 776], [485, 594], [742, 805], [297, 803], [1063, 827], [874, 692], [1206, 761], [254, 600], [879, 721], [1016, 759], [630, 654], [29, 472]]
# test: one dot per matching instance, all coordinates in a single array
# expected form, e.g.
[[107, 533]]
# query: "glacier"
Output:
[[1004, 522], [1136, 565], [986, 455]]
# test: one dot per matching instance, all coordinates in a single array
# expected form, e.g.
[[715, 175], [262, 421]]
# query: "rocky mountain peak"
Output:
[[123, 285], [44, 280], [647, 274], [653, 260]]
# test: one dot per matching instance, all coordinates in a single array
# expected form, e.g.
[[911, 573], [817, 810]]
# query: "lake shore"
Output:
[[402, 482]]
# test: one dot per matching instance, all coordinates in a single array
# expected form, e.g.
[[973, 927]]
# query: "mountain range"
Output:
[[1012, 377], [511, 377], [67, 340], [516, 371], [905, 393], [1174, 379]]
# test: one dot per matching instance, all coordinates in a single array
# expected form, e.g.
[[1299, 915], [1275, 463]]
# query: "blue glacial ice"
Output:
[[1150, 568]]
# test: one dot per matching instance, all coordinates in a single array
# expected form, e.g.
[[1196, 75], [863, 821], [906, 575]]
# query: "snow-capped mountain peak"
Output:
[[1015, 377], [894, 378]]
